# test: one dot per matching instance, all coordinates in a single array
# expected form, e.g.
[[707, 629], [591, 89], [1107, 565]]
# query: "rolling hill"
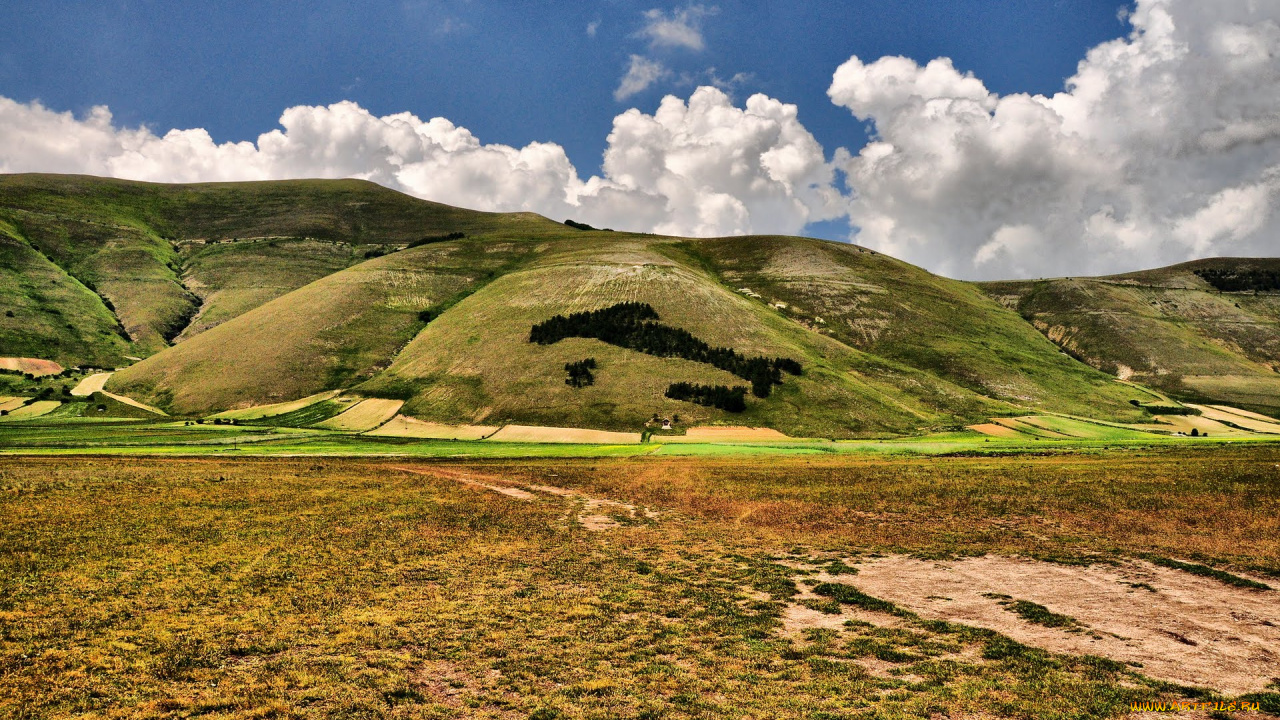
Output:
[[1171, 328], [156, 255], [238, 295]]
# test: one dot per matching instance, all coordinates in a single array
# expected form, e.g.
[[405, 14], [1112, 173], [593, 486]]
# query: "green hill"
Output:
[[1169, 328], [476, 364], [156, 255], [245, 294], [49, 314], [897, 311], [335, 332]]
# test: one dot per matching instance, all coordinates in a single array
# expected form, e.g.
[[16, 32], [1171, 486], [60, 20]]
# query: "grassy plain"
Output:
[[320, 587]]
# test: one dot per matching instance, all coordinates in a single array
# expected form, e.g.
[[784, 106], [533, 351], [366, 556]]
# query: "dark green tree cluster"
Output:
[[584, 226], [580, 374], [1241, 280], [633, 325], [730, 399]]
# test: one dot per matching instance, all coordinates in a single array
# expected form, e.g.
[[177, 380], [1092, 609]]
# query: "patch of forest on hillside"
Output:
[[635, 326], [1241, 279]]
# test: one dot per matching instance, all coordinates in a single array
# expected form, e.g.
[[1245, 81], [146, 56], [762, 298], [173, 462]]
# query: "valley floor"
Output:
[[1063, 585]]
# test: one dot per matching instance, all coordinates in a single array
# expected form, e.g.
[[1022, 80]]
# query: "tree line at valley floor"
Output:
[[635, 326]]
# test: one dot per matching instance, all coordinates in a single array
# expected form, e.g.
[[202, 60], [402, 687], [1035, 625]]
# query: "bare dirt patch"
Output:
[[1167, 624], [537, 434], [598, 514], [135, 403], [92, 384], [32, 366]]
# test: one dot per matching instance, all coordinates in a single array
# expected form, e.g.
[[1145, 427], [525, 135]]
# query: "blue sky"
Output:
[[511, 72], [980, 139]]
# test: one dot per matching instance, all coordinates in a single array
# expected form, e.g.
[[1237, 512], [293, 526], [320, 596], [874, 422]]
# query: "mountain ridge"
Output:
[[289, 289]]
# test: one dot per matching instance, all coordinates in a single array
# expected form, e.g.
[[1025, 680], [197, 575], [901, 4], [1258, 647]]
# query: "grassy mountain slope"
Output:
[[334, 332], [903, 313], [232, 278], [122, 240], [121, 259], [46, 313], [1167, 328], [475, 363], [275, 291]]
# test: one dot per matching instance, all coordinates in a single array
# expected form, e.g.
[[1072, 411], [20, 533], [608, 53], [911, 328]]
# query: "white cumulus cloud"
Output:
[[718, 169], [701, 168], [1165, 146]]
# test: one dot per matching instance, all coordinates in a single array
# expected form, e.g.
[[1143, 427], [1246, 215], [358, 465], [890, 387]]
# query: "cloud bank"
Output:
[[704, 167], [1165, 146]]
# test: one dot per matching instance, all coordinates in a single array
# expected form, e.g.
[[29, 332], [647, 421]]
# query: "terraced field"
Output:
[[363, 416]]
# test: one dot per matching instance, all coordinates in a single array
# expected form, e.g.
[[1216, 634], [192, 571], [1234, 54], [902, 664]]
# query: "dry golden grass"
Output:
[[12, 403], [257, 412], [537, 434], [728, 433], [1240, 418], [90, 385], [407, 427], [326, 588], [364, 415], [36, 409]]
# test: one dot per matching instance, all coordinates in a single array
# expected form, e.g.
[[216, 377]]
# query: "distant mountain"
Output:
[[1207, 330], [242, 294]]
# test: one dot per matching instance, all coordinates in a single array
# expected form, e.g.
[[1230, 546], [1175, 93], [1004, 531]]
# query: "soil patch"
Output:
[[92, 384], [537, 434], [31, 366], [1168, 624]]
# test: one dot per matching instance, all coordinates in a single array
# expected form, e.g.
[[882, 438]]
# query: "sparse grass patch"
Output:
[[849, 595], [1037, 614], [1206, 571]]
